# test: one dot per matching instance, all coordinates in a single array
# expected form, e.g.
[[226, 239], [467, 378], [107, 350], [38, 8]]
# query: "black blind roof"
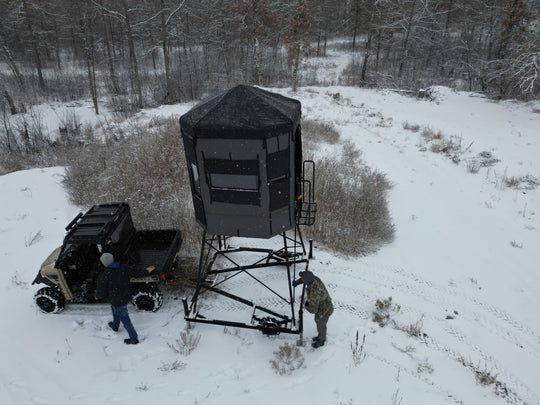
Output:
[[242, 111]]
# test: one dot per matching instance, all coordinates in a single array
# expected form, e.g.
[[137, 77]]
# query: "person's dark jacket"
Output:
[[114, 284]]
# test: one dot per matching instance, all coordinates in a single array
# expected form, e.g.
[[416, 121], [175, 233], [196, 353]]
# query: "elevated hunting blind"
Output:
[[244, 156]]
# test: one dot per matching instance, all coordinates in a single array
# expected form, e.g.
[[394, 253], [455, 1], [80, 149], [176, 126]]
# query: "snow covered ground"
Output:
[[464, 269]]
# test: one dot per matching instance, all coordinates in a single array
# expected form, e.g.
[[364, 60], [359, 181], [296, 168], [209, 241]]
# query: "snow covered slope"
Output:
[[463, 269]]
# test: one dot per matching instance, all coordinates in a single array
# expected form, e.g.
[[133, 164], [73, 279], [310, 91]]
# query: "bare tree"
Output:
[[6, 52], [124, 15], [28, 18], [256, 23], [86, 24], [297, 39]]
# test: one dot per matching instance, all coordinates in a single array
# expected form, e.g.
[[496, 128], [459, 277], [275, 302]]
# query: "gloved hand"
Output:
[[294, 283]]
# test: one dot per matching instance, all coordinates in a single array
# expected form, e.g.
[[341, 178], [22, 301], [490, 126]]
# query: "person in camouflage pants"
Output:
[[317, 302]]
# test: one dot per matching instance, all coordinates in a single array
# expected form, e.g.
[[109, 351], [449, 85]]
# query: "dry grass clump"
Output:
[[527, 182], [358, 350], [287, 359], [315, 132], [411, 127], [147, 170], [186, 343], [384, 312]]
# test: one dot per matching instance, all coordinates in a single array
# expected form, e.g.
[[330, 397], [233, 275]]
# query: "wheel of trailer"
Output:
[[50, 300], [147, 298]]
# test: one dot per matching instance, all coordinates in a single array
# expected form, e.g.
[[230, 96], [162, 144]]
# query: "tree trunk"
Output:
[[57, 46], [35, 48], [12, 65], [133, 56], [10, 102], [110, 61], [11, 141], [88, 40], [257, 63], [165, 46], [295, 72], [508, 28], [367, 54], [356, 22], [378, 50], [405, 50]]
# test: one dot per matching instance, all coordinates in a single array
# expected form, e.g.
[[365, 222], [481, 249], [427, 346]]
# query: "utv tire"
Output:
[[50, 300], [147, 298]]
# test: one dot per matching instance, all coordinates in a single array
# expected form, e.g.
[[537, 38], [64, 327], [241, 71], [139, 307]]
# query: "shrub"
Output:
[[414, 329], [350, 153], [315, 132], [411, 127], [384, 310], [186, 344], [516, 244], [446, 146], [146, 169], [486, 159], [357, 349], [473, 165], [176, 365], [288, 358], [527, 182], [484, 376], [425, 367], [352, 211], [429, 134], [142, 386]]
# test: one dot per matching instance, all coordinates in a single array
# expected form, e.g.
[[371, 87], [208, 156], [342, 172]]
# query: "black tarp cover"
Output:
[[242, 111]]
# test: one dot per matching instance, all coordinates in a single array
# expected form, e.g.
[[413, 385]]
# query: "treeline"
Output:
[[138, 53]]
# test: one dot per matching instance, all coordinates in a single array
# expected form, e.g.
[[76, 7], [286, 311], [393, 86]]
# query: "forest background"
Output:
[[137, 54]]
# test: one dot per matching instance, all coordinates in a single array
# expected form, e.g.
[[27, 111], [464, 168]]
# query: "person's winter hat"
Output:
[[306, 277], [107, 259]]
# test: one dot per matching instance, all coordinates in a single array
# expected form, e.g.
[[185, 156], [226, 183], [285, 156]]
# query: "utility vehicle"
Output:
[[70, 272]]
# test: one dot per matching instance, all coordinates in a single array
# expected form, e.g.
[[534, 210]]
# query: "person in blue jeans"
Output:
[[114, 284]]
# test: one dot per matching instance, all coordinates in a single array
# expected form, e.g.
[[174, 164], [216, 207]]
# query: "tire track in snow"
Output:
[[386, 279], [360, 303], [510, 330], [511, 396], [497, 312], [494, 328], [395, 285], [429, 381]]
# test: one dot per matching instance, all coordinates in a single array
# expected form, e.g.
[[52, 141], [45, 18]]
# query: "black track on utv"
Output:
[[50, 300]]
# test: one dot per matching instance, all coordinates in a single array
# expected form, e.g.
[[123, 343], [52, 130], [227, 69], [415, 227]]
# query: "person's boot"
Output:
[[317, 343], [111, 326], [130, 342]]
